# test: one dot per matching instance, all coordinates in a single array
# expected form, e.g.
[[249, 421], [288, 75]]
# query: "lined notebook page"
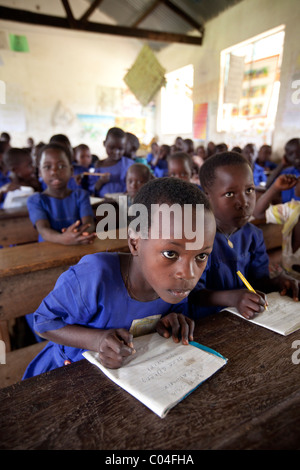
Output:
[[161, 373], [282, 316]]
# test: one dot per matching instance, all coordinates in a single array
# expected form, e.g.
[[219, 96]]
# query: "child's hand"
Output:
[[179, 324], [248, 303], [75, 235], [9, 187], [103, 179], [114, 346], [288, 284], [284, 182]]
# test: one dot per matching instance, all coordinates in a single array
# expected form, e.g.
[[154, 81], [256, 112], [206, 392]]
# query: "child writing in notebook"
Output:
[[113, 168], [227, 180], [60, 214], [286, 214], [97, 303]]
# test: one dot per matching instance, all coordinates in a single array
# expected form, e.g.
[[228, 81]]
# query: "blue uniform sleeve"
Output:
[[35, 209], [85, 207]]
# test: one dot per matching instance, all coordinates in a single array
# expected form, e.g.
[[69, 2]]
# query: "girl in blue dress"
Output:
[[113, 168], [60, 214], [105, 300], [227, 180]]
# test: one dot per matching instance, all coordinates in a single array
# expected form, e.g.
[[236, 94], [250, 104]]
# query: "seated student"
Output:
[[180, 145], [60, 214], [160, 167], [152, 156], [83, 311], [83, 159], [190, 148], [222, 147], [62, 139], [137, 175], [263, 165], [113, 167], [227, 180], [20, 171], [4, 178], [180, 165], [290, 165], [287, 214], [131, 147]]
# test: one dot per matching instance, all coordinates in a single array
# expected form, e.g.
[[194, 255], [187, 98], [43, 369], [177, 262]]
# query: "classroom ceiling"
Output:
[[158, 22]]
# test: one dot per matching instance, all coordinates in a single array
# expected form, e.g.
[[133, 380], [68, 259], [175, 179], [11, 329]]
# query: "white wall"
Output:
[[59, 76], [239, 23]]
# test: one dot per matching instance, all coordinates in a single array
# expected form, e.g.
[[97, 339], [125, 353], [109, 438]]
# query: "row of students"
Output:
[[162, 275]]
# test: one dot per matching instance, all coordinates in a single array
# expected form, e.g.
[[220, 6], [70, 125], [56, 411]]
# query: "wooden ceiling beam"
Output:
[[183, 15], [25, 16], [70, 17], [90, 10], [146, 13]]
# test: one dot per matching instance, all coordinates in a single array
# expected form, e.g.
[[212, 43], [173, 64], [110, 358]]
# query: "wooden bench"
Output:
[[27, 274], [16, 227]]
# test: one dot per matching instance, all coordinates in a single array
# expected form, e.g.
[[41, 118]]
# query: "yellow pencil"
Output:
[[247, 284]]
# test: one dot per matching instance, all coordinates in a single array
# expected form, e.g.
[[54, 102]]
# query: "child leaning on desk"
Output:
[[60, 214], [227, 180], [97, 303], [286, 214]]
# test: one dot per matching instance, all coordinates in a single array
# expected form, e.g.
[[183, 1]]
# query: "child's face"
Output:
[[179, 169], [25, 169], [168, 268], [55, 169], [83, 157], [292, 155], [115, 147], [134, 181], [232, 196]]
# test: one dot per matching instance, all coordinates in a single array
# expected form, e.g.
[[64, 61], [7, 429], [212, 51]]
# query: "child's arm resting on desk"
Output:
[[75, 234], [246, 302], [180, 326], [113, 345]]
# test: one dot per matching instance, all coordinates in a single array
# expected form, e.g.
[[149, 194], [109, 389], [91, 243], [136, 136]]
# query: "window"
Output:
[[249, 87], [177, 102]]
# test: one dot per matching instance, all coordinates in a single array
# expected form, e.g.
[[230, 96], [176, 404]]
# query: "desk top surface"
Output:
[[38, 256], [252, 403]]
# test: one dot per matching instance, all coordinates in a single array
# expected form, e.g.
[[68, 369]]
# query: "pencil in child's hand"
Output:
[[248, 285]]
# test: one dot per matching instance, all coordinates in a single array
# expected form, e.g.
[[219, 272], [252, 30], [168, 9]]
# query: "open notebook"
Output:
[[161, 373], [282, 316]]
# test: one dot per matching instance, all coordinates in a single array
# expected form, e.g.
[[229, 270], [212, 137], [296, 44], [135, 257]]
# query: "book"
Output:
[[282, 316], [162, 373]]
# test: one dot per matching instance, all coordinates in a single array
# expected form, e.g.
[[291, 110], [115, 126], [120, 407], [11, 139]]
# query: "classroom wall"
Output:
[[61, 76], [239, 23]]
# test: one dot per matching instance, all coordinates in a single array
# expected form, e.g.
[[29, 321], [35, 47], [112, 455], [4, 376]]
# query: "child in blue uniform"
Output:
[[98, 303], [180, 166], [227, 180], [114, 167], [60, 215]]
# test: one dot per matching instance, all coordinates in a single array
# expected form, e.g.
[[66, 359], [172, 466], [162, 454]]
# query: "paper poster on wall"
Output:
[[12, 113], [291, 114], [136, 126], [200, 121], [94, 127], [233, 85], [18, 43]]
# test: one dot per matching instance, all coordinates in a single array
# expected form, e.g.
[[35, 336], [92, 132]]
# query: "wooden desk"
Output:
[[16, 227], [252, 403], [28, 273]]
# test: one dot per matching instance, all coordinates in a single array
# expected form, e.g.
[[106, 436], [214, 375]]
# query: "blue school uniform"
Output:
[[161, 169], [93, 294], [289, 194], [78, 169], [117, 181], [248, 255], [259, 175], [61, 213]]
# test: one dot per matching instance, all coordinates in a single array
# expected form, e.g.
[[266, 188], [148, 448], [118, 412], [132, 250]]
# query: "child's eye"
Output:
[[202, 257], [229, 194], [249, 190], [169, 254]]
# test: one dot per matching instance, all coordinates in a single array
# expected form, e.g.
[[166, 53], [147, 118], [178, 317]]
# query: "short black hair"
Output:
[[208, 169], [134, 141], [294, 141], [166, 190], [183, 156], [54, 146], [144, 169], [115, 132], [14, 157]]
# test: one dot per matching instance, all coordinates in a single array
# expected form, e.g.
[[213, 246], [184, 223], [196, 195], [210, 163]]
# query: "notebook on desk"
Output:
[[162, 373], [282, 316]]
